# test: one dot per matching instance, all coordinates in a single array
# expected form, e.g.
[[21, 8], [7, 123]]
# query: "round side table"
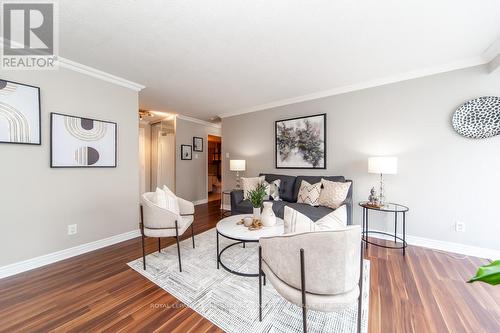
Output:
[[386, 208]]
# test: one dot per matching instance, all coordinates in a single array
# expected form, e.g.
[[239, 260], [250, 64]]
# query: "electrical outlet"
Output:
[[459, 227], [72, 229], [227, 155]]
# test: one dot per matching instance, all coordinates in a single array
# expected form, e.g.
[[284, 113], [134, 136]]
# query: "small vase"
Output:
[[256, 213], [268, 218]]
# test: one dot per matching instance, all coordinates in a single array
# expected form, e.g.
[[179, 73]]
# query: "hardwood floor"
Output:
[[97, 291]]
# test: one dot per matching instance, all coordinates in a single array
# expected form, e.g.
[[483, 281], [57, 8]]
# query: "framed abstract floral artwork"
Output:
[[301, 143]]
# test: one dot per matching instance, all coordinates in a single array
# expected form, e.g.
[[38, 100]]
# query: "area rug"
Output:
[[230, 301]]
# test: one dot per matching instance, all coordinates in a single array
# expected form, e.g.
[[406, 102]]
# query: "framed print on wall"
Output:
[[19, 113], [198, 144], [186, 152], [77, 142], [301, 142]]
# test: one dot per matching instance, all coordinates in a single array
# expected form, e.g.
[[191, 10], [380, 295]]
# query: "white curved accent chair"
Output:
[[160, 222], [314, 270]]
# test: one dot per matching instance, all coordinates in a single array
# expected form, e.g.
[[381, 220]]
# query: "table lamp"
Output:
[[383, 165], [237, 165]]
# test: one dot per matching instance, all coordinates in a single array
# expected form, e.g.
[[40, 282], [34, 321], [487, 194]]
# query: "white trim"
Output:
[[435, 244], [50, 258], [90, 71], [198, 121], [470, 62], [200, 202], [226, 207]]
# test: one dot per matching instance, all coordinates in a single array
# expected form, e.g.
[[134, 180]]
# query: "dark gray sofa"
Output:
[[289, 190]]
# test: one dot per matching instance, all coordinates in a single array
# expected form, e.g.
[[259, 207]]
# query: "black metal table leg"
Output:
[[217, 257], [395, 225], [404, 233], [366, 229]]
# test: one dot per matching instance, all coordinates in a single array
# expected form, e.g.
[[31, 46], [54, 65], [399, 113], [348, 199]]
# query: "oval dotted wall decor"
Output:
[[478, 118]]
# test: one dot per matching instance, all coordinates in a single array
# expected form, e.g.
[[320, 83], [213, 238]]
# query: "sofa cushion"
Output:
[[309, 193], [311, 180], [314, 213], [333, 194], [286, 185]]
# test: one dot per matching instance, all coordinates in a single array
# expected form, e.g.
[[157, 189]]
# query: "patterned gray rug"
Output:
[[230, 301]]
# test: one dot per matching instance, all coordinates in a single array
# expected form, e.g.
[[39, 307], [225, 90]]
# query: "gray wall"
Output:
[[442, 176], [191, 175], [37, 202]]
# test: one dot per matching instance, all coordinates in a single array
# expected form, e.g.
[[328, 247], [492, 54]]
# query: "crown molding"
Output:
[[198, 121], [465, 63], [90, 71]]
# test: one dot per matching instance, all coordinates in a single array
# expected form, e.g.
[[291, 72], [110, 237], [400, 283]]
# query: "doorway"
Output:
[[214, 167]]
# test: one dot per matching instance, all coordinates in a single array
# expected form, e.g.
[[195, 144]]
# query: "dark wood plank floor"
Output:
[[94, 292]]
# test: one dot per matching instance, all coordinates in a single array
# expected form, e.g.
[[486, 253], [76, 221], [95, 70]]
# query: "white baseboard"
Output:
[[435, 244], [200, 202], [50, 258]]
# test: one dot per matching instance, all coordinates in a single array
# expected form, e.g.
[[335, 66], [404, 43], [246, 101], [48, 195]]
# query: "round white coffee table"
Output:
[[228, 228]]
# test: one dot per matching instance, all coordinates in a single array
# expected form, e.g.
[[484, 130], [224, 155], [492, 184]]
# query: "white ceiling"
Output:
[[207, 58]]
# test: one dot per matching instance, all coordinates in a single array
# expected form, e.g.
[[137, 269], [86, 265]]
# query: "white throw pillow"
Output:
[[309, 194], [296, 222], [333, 194], [273, 189], [336, 220], [167, 200], [167, 190], [250, 184]]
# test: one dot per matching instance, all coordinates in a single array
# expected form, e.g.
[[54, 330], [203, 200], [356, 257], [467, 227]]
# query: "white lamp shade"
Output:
[[383, 164], [237, 165]]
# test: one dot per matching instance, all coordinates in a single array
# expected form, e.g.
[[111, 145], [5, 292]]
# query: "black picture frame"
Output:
[[189, 156], [324, 140], [195, 143], [39, 143], [52, 114]]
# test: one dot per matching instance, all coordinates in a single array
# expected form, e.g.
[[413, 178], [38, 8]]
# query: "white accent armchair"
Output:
[[315, 270], [160, 222]]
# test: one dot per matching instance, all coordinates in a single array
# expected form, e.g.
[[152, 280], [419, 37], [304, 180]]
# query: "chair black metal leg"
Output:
[[264, 276], [260, 283], [303, 288], [159, 245], [360, 299], [192, 234], [143, 254], [178, 246], [142, 238]]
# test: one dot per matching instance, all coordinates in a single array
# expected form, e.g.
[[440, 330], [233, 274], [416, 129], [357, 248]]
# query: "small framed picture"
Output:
[[186, 152], [197, 144], [19, 113]]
